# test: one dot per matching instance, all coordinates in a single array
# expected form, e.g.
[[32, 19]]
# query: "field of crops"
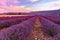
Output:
[[31, 27]]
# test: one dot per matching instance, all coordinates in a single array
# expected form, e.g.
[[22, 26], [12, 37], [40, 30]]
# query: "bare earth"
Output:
[[37, 34]]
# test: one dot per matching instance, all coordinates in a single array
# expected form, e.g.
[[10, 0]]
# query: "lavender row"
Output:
[[10, 22], [19, 31], [7, 18], [54, 18], [49, 28]]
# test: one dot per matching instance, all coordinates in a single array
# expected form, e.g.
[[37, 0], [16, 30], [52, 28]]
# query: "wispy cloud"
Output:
[[3, 2], [54, 5], [18, 9], [34, 0], [14, 9]]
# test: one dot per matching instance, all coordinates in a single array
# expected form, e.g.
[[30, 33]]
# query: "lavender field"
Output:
[[29, 19], [31, 27]]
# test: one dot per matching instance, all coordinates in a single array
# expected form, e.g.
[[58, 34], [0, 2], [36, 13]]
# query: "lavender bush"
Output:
[[10, 22], [49, 27], [53, 18], [19, 31]]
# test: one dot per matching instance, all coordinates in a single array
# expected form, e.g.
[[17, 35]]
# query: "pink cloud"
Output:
[[14, 9], [11, 8], [18, 9], [2, 10], [10, 2], [3, 2]]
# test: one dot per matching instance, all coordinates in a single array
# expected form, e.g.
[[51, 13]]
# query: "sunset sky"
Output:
[[28, 5]]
